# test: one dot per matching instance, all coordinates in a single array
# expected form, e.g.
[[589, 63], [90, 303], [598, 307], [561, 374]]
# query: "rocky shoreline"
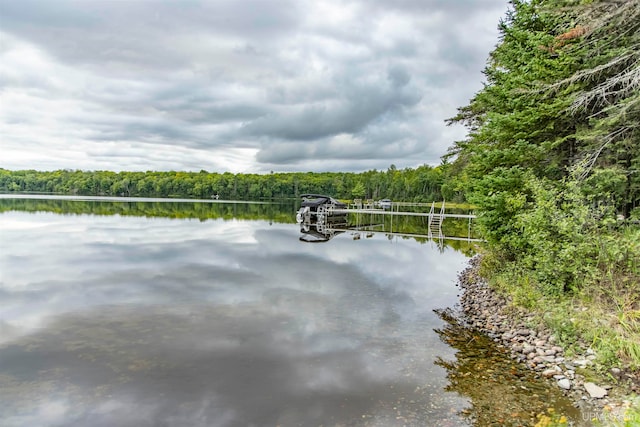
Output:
[[537, 348]]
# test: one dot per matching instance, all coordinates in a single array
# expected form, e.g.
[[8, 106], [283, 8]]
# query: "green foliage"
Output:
[[552, 162], [552, 155], [358, 191], [605, 185], [422, 184], [558, 228]]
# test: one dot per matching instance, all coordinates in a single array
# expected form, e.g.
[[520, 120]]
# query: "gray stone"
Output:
[[564, 383], [595, 391], [581, 362]]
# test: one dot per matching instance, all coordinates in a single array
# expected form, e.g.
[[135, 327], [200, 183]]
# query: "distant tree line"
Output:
[[423, 184]]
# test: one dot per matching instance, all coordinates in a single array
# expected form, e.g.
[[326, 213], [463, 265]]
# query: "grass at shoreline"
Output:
[[604, 317], [599, 311], [597, 318]]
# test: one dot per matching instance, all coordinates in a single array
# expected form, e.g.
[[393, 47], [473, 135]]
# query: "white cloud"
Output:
[[228, 86]]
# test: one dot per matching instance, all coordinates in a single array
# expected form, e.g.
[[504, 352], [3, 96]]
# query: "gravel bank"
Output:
[[538, 349]]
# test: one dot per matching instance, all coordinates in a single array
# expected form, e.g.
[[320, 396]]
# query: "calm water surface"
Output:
[[150, 321]]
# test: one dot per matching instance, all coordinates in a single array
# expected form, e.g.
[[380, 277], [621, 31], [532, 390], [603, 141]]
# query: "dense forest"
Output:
[[422, 184], [552, 161]]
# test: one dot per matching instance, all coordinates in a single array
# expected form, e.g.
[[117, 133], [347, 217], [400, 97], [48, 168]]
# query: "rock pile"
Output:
[[487, 311]]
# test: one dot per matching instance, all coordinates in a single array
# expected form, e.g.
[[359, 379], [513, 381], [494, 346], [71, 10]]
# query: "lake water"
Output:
[[139, 319]]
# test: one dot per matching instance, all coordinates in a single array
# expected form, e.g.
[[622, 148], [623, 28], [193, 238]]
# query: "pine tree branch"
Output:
[[613, 88], [582, 168]]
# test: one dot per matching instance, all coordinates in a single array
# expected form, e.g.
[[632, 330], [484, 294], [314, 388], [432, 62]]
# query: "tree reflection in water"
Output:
[[274, 212]]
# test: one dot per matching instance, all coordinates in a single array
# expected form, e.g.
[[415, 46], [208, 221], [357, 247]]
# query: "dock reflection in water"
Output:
[[322, 217]]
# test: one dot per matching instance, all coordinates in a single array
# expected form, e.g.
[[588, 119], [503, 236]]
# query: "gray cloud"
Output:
[[350, 112], [244, 86]]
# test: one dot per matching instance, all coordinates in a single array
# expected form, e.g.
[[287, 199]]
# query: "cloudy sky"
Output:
[[237, 85]]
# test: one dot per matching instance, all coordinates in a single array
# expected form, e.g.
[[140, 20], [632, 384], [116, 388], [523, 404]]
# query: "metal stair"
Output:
[[435, 221]]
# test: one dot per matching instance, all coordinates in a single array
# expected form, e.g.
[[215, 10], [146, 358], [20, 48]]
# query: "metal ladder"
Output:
[[435, 222]]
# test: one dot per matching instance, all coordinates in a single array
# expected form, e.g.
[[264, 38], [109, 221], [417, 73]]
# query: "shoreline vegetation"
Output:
[[552, 163], [605, 393]]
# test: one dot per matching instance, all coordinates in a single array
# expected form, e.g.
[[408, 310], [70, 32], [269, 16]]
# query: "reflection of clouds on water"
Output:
[[78, 262], [238, 360], [139, 321]]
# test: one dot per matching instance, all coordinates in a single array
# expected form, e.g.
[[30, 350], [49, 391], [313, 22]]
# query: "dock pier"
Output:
[[435, 216], [322, 217]]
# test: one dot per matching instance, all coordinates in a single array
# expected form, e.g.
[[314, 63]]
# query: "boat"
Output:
[[317, 217], [385, 203], [316, 208]]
